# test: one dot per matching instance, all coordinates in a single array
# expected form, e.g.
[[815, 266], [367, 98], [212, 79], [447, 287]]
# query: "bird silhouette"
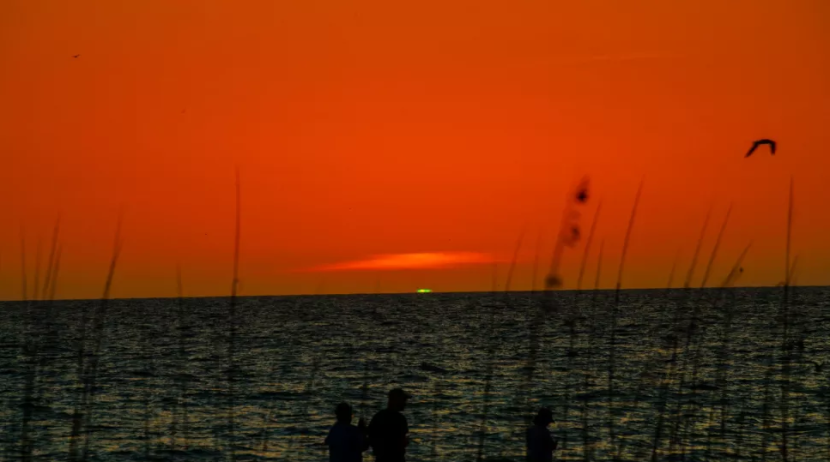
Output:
[[75, 56], [757, 143], [818, 366]]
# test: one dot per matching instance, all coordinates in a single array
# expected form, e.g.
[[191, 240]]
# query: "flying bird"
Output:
[[75, 56], [755, 145]]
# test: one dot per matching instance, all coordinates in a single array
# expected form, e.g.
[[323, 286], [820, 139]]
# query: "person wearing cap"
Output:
[[540, 443], [345, 441], [389, 430]]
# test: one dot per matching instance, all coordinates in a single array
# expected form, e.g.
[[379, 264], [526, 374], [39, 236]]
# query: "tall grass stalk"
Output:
[[714, 253], [53, 283], [736, 270], [181, 405], [674, 338], [535, 319], [599, 271], [535, 275], [692, 344], [722, 375], [785, 343], [36, 288], [533, 349], [800, 334], [574, 316], [495, 282], [87, 372], [668, 317], [654, 364], [51, 280], [587, 250], [564, 238], [695, 340], [50, 267], [491, 351], [688, 282], [27, 345], [36, 361], [587, 452], [614, 310], [510, 270], [23, 281], [98, 337], [232, 322]]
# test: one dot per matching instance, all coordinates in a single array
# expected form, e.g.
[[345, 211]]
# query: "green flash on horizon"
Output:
[[424, 291]]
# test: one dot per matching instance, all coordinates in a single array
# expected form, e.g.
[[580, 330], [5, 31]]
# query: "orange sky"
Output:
[[365, 128]]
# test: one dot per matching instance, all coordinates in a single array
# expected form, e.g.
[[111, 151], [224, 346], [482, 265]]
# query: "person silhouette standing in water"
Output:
[[540, 443], [389, 430], [345, 441]]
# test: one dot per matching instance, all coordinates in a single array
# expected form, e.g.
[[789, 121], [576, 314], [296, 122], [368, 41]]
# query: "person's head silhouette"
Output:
[[344, 413], [397, 399], [543, 418]]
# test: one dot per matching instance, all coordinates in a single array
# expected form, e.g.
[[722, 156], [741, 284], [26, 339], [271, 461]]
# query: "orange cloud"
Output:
[[403, 261]]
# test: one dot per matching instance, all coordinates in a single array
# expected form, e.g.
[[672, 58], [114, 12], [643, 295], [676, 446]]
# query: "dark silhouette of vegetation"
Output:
[[614, 313], [232, 366], [88, 369], [688, 383], [491, 336]]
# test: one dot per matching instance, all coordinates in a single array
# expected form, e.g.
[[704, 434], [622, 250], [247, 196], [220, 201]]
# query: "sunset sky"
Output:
[[387, 145]]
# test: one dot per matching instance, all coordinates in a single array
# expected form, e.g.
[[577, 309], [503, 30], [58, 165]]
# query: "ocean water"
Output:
[[733, 374]]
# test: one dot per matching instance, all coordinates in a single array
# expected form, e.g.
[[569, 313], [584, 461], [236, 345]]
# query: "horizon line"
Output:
[[341, 294]]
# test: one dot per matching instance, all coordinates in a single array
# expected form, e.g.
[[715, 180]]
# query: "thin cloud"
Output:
[[405, 261], [625, 57]]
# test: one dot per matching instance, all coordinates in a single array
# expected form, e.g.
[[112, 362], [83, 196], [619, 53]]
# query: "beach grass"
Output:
[[696, 403]]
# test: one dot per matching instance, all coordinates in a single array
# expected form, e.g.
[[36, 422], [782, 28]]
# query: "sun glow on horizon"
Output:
[[406, 261]]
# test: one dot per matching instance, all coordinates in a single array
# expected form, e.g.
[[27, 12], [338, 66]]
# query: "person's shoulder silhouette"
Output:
[[389, 429]]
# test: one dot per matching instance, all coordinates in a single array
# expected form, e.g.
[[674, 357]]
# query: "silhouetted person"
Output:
[[540, 443], [345, 441], [389, 431]]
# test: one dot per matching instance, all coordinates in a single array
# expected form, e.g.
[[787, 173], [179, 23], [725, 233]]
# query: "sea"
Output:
[[635, 375]]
